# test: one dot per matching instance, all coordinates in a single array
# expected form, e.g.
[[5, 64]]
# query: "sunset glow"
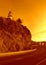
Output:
[[32, 13]]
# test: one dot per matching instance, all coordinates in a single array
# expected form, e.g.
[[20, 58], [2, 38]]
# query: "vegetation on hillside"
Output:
[[13, 35]]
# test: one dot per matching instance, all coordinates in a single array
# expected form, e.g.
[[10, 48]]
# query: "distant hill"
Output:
[[13, 35]]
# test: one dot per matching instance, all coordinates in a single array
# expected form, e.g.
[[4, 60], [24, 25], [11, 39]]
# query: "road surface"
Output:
[[37, 57]]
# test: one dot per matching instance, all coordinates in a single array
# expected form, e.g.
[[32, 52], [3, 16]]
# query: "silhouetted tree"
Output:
[[13, 35]]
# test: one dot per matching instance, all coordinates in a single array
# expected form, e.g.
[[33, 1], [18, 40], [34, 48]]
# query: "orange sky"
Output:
[[32, 13]]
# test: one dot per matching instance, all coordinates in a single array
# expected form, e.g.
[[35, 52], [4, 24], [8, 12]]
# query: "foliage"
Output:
[[13, 35]]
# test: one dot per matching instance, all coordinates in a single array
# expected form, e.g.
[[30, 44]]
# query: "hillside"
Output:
[[13, 35]]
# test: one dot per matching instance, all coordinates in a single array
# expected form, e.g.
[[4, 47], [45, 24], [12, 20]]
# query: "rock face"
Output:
[[13, 35]]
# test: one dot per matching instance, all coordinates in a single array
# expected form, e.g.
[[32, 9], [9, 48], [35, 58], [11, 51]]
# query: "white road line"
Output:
[[16, 53], [41, 61]]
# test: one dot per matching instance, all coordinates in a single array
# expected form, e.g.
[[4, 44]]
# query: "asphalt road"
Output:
[[37, 57]]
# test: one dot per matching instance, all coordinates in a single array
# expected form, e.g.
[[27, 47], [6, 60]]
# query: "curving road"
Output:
[[37, 57]]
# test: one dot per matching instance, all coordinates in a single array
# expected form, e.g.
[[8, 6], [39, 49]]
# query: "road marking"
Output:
[[16, 53], [41, 61]]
